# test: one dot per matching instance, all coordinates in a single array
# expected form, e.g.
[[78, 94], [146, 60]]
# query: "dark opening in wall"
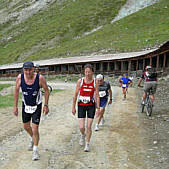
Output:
[[140, 64], [58, 69], [97, 66], [154, 61], [51, 68], [71, 68], [167, 60], [118, 65], [105, 65], [125, 65], [111, 66], [147, 62], [133, 65], [161, 59]]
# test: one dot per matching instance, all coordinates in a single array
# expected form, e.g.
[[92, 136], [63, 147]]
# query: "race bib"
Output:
[[84, 99], [30, 109], [124, 85], [102, 93]]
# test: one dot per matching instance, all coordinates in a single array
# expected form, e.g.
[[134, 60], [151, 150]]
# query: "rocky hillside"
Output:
[[42, 29]]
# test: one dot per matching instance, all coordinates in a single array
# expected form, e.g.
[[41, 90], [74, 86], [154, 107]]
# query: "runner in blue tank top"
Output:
[[31, 84], [124, 83]]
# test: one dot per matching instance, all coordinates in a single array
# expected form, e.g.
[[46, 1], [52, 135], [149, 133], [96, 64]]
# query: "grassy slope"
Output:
[[53, 32]]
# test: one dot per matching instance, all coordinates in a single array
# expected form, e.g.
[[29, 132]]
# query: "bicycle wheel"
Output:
[[142, 108], [50, 90], [149, 107]]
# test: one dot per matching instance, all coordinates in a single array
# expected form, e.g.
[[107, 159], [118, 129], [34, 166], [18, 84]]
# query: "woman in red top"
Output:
[[86, 90]]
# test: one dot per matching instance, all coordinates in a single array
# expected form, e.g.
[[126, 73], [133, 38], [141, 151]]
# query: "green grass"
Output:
[[52, 32], [6, 101], [57, 90], [2, 86]]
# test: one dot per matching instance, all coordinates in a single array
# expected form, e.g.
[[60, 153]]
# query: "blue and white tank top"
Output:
[[31, 94]]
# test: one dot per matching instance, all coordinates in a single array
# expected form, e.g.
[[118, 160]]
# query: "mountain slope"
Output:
[[58, 30]]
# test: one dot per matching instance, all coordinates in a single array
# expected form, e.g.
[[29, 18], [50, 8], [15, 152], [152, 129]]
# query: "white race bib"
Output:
[[102, 93], [30, 109], [124, 85], [84, 99]]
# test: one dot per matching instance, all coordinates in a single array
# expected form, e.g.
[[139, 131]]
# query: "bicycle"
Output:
[[148, 104], [50, 89]]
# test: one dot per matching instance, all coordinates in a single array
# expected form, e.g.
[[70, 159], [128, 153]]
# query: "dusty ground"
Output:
[[127, 140]]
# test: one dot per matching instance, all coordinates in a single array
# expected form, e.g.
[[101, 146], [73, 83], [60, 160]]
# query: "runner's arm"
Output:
[[75, 96], [97, 100], [110, 94], [16, 95], [43, 84]]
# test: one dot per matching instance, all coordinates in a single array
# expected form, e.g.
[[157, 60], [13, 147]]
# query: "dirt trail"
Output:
[[118, 144]]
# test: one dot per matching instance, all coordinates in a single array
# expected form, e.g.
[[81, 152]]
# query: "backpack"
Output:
[[151, 73]]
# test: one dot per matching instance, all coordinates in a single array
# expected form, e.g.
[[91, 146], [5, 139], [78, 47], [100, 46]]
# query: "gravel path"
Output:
[[127, 140]]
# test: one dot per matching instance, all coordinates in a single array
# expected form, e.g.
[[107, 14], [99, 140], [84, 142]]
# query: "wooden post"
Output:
[[129, 66], [164, 61], [151, 61], [136, 64], [143, 64], [101, 67], [157, 63], [108, 66]]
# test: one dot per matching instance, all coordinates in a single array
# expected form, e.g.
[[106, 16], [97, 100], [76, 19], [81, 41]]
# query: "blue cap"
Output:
[[28, 65]]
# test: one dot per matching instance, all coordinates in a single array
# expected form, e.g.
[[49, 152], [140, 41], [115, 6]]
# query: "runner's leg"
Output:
[[89, 129], [82, 125], [35, 130], [28, 128], [102, 110]]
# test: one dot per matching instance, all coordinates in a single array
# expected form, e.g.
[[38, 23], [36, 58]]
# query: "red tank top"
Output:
[[86, 93]]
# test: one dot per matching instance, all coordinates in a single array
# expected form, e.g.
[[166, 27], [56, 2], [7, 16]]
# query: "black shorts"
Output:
[[89, 109], [26, 117]]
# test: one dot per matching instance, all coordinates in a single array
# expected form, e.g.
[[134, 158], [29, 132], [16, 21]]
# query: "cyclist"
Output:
[[104, 92], [124, 83], [30, 83], [37, 67], [150, 82], [85, 91]]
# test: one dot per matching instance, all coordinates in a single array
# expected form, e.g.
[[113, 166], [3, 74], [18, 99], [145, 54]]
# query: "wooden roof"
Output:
[[84, 59]]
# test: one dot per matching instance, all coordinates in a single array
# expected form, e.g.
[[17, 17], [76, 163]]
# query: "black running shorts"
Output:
[[89, 109], [26, 117]]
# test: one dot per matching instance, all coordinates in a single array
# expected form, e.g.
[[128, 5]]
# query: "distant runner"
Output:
[[84, 93], [30, 83], [124, 83], [104, 92]]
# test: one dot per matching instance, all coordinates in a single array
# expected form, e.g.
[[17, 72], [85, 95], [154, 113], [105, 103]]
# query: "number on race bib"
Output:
[[102, 93], [84, 99], [30, 109], [124, 85]]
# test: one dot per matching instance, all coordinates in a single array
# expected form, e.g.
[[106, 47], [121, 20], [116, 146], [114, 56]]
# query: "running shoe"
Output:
[[30, 146], [86, 149], [82, 140], [102, 122], [97, 127], [35, 156], [143, 103]]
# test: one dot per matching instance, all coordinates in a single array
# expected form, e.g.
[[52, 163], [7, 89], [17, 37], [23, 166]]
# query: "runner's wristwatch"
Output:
[[46, 105]]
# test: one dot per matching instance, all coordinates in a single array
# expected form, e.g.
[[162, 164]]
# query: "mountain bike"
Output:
[[49, 88], [148, 104]]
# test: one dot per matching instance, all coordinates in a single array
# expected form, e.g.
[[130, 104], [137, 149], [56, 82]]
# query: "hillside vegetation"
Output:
[[60, 30]]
